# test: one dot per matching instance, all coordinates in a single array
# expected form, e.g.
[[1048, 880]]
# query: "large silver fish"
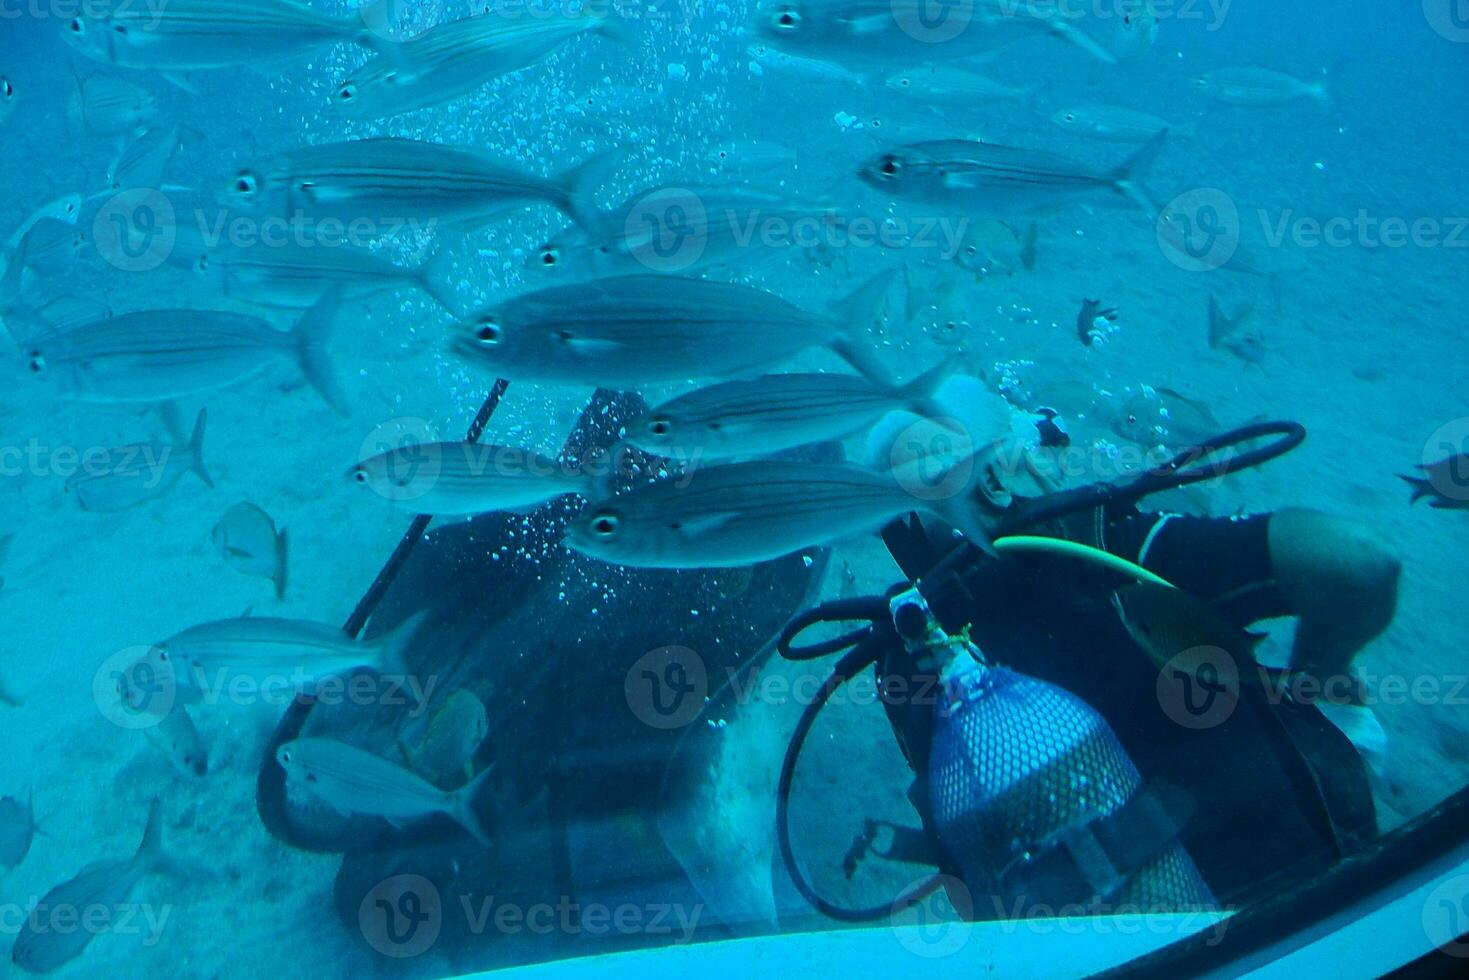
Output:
[[461, 479], [680, 228], [743, 513], [297, 274], [188, 35], [390, 178], [779, 411], [459, 57], [627, 331], [908, 31], [247, 538], [261, 647], [157, 355], [100, 891], [130, 475], [353, 781], [988, 180]]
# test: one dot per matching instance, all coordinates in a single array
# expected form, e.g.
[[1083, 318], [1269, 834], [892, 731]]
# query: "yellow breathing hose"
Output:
[[1058, 546]]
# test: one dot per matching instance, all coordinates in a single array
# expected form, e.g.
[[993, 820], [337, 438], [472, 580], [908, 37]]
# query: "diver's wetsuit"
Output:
[[1279, 790]]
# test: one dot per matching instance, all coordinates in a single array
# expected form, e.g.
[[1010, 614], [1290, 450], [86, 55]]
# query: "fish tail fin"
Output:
[[1130, 177], [918, 394], [614, 27], [864, 306], [282, 563], [151, 853], [1421, 487], [196, 450], [577, 186], [393, 646], [464, 812], [1219, 323], [435, 277], [1079, 39], [312, 334]]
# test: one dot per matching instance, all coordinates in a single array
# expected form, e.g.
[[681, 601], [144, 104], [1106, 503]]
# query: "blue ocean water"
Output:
[[623, 813]]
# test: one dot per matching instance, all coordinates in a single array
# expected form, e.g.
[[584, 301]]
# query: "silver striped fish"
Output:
[[1258, 87], [775, 412], [188, 35], [395, 179], [353, 781], [107, 106], [456, 58], [743, 513], [461, 479], [130, 475], [987, 180], [158, 355], [627, 331]]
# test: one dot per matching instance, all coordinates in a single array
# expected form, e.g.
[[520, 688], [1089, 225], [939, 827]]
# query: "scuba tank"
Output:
[[1030, 795]]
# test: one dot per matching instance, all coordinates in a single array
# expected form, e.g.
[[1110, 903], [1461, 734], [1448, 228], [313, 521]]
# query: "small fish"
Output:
[[740, 514], [160, 355], [352, 781], [1446, 483], [52, 246], [106, 106], [456, 58], [176, 736], [461, 479], [1111, 124], [392, 179], [442, 750], [66, 208], [1155, 416], [1237, 334], [144, 161], [691, 227], [266, 648], [296, 275], [987, 180], [18, 829], [1258, 87], [626, 331], [1134, 29], [189, 35], [945, 85], [1093, 322], [130, 475], [8, 98], [776, 412], [99, 892], [1175, 627], [764, 57], [992, 247], [247, 538], [749, 157]]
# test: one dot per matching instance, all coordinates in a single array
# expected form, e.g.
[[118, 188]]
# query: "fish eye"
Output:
[[659, 427], [1071, 117], [604, 525], [786, 19], [6, 88], [38, 362], [359, 474], [78, 26], [550, 257], [245, 183], [889, 166], [285, 755], [489, 332], [203, 264], [120, 29], [1132, 420], [347, 92]]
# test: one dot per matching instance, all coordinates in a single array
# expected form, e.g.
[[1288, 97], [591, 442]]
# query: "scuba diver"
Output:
[[1099, 733]]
